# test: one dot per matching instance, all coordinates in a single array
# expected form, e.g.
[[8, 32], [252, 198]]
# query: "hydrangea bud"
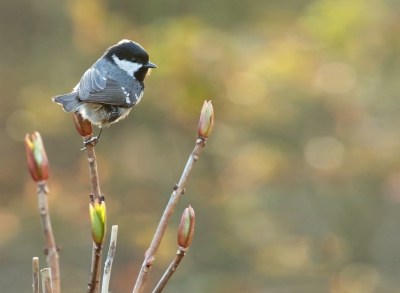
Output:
[[186, 228], [98, 218], [206, 122], [38, 163], [83, 126]]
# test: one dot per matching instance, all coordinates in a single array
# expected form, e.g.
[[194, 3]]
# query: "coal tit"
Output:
[[111, 87]]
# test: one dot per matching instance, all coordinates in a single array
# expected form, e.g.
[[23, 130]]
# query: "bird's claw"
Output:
[[93, 141]]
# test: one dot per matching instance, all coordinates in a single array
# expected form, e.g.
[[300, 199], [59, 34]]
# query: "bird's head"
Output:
[[130, 57]]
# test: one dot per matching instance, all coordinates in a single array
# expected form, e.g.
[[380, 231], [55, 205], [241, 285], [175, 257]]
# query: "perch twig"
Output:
[[94, 176], [94, 282]]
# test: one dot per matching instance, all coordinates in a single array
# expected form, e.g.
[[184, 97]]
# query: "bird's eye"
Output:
[[134, 59]]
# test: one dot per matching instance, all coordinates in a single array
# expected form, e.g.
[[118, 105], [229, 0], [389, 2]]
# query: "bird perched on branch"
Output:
[[111, 87]]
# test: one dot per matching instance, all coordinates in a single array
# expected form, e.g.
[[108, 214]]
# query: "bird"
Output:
[[110, 88]]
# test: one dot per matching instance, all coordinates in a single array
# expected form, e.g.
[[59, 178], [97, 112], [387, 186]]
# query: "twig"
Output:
[[35, 274], [94, 177], [46, 281], [162, 226], [171, 269], [109, 260], [51, 247], [93, 286]]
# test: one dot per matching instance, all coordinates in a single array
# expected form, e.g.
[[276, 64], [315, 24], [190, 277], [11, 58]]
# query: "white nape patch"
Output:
[[128, 66], [127, 99], [124, 41]]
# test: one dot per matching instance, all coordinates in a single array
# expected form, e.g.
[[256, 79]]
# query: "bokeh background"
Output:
[[298, 189]]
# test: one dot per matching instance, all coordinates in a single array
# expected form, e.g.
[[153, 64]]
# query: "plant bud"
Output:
[[206, 122], [83, 126], [98, 217], [186, 228], [38, 163]]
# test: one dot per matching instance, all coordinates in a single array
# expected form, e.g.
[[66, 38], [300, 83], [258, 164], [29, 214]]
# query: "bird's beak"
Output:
[[150, 65]]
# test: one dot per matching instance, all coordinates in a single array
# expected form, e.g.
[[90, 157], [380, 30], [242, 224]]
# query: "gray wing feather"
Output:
[[112, 94], [93, 80], [96, 87], [98, 80]]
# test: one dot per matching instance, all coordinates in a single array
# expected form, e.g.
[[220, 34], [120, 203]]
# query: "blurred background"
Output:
[[298, 189]]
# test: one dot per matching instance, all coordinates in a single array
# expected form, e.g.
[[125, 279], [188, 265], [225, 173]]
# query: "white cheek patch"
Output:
[[128, 66]]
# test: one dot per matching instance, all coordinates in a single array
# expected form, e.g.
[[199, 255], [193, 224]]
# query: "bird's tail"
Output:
[[69, 102]]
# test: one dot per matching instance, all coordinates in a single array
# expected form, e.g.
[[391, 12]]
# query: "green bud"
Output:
[[98, 217], [186, 228]]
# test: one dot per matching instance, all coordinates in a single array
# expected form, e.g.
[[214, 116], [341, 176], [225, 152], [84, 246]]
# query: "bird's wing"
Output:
[[93, 80], [96, 87]]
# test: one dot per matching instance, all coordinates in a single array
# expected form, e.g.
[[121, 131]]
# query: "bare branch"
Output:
[[171, 269], [94, 176], [94, 282], [51, 247], [110, 258], [46, 281], [162, 226], [35, 274], [93, 285]]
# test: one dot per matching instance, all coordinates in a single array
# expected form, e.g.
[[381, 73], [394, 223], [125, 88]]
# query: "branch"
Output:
[[94, 281], [46, 281], [109, 260], [51, 247], [162, 226], [96, 251], [35, 274], [94, 176], [171, 269]]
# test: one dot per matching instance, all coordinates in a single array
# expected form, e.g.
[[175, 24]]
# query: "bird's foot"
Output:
[[93, 141]]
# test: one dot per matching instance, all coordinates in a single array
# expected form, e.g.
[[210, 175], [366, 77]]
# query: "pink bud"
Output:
[[150, 261], [186, 228], [83, 126], [38, 163], [206, 122]]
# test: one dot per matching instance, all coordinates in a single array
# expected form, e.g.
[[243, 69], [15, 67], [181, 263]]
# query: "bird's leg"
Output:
[[94, 140]]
